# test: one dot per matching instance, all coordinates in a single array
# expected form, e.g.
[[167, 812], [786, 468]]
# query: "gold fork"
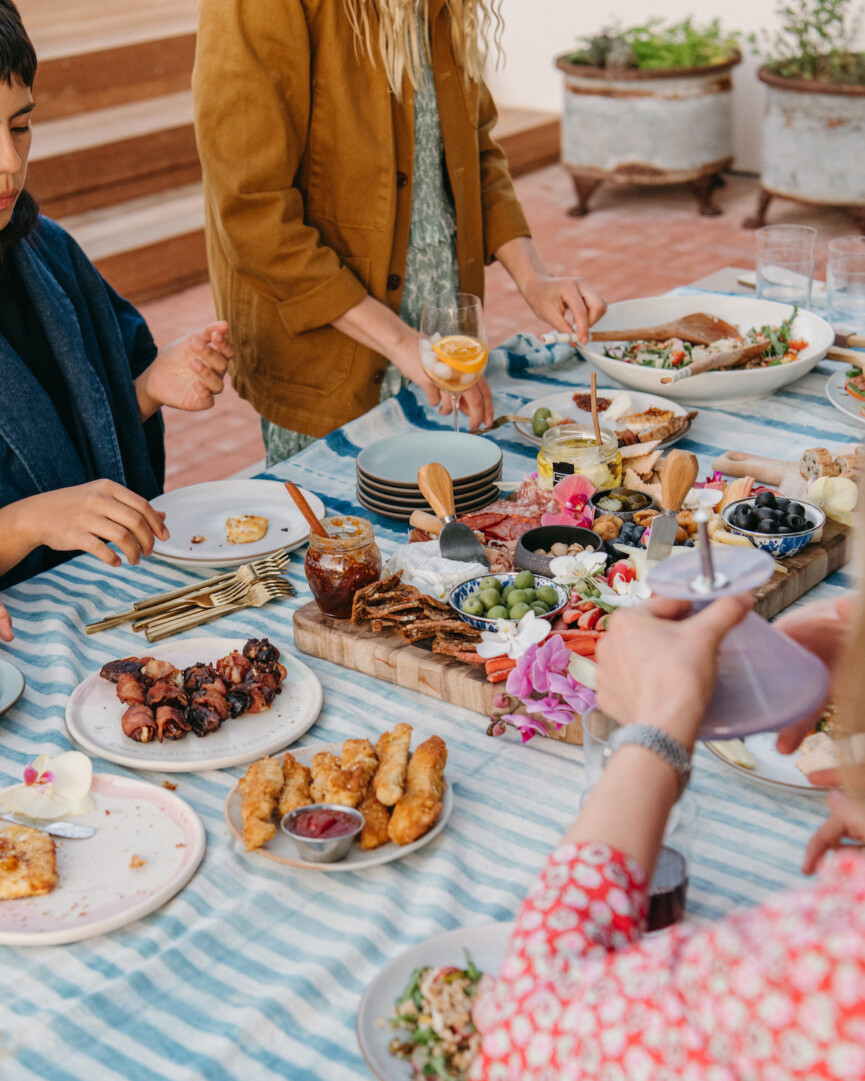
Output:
[[258, 594], [187, 605], [508, 418]]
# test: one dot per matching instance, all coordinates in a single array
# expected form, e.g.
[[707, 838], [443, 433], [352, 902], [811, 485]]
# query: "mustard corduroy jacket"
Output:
[[307, 160]]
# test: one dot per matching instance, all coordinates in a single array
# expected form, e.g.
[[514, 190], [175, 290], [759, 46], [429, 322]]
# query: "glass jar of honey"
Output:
[[572, 448], [341, 563]]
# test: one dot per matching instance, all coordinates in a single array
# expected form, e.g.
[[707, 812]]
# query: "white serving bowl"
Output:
[[710, 388]]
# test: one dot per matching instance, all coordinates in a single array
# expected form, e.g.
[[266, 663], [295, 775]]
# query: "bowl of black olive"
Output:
[[780, 526]]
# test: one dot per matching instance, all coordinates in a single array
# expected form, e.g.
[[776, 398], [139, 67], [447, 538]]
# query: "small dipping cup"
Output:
[[323, 849]]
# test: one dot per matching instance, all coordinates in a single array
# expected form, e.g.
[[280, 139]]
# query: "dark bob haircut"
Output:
[[18, 63]]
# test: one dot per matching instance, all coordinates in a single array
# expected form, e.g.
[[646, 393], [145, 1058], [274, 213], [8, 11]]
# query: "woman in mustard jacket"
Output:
[[349, 173]]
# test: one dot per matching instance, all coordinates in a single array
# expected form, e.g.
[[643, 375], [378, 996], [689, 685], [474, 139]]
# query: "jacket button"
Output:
[[379, 376], [393, 281], [401, 180]]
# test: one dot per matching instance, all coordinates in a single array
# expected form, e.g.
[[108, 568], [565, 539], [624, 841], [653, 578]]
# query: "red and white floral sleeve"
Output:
[[773, 992]]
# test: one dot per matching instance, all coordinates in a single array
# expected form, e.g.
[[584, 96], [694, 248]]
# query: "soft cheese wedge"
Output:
[[245, 528], [735, 751]]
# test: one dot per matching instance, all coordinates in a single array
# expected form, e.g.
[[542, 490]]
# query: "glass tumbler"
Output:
[[785, 263], [845, 279]]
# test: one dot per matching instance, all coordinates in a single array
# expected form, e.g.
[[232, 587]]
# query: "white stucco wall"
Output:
[[536, 31]]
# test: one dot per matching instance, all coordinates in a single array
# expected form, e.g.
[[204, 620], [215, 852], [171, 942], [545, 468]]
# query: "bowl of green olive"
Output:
[[482, 602], [623, 502]]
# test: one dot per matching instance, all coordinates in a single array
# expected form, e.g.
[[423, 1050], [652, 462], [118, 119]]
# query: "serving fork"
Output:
[[508, 418], [257, 595]]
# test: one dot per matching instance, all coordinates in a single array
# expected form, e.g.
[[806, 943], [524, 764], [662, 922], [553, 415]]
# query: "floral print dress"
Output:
[[431, 267], [775, 993]]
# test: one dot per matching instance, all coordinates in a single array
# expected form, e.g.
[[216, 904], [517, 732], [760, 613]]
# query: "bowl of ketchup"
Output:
[[323, 832]]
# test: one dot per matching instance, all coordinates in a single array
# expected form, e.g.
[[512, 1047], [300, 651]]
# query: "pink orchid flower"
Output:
[[573, 495], [33, 776]]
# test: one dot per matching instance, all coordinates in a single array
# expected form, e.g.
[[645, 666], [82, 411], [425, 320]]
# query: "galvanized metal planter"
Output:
[[813, 145], [647, 127]]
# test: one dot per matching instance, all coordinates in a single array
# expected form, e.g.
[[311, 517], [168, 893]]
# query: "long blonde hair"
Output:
[[474, 23]]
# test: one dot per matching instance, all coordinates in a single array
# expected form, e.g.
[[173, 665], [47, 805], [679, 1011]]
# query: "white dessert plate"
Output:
[[397, 458], [11, 685], [563, 402], [202, 509], [485, 945], [773, 769], [100, 885], [94, 711], [839, 397], [282, 849], [710, 388]]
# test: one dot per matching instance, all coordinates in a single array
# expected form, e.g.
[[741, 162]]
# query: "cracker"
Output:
[[28, 863]]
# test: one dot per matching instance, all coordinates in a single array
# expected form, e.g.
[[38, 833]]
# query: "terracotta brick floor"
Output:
[[635, 242]]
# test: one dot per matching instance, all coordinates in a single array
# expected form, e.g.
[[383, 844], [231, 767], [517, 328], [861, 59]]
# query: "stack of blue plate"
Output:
[[387, 471]]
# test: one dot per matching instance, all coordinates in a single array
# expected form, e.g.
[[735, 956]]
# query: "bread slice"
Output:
[[28, 863], [245, 528], [818, 462]]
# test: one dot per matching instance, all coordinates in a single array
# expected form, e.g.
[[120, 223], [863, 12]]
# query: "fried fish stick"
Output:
[[358, 765], [324, 766], [392, 750], [295, 791], [375, 821], [260, 785], [421, 803]]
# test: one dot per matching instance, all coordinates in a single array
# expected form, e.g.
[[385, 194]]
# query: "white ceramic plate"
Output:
[[485, 945], [97, 891], [773, 769], [412, 491], [11, 685], [396, 459], [420, 503], [563, 402], [710, 388], [282, 850], [201, 510], [93, 717], [839, 397]]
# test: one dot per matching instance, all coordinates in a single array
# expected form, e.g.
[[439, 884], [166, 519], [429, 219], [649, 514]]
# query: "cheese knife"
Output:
[[71, 830], [456, 540], [678, 472]]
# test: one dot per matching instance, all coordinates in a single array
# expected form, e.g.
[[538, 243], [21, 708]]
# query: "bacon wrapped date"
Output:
[[171, 723], [113, 670], [155, 670], [131, 689], [197, 675], [260, 651], [167, 693], [207, 711], [234, 668], [139, 724]]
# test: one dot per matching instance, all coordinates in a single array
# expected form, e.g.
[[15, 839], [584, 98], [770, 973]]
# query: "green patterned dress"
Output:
[[431, 260]]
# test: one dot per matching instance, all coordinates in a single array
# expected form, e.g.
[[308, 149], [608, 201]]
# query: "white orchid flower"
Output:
[[702, 499], [53, 787], [623, 594], [566, 570], [513, 640], [836, 497]]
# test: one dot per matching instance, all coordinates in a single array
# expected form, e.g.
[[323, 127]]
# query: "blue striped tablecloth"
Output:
[[254, 971]]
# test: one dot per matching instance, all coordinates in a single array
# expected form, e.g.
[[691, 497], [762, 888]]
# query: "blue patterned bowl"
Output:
[[464, 590], [778, 545]]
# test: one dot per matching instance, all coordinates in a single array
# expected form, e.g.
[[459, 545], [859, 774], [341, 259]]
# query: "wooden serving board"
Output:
[[804, 571], [387, 656]]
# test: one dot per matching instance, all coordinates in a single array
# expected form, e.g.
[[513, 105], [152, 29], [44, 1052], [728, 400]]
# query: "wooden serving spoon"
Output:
[[716, 361], [305, 509], [593, 387], [699, 328]]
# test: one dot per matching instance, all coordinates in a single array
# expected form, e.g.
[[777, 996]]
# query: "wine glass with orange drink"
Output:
[[453, 346]]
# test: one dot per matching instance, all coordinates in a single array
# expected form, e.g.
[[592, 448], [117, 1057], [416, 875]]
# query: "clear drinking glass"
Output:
[[785, 263], [453, 348], [845, 279]]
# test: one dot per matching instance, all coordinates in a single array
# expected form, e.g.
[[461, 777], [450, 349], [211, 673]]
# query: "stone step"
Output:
[[149, 246], [97, 53], [529, 137], [106, 156]]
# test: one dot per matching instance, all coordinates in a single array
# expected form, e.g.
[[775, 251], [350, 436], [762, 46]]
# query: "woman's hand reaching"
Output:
[[188, 373], [657, 663], [845, 824], [83, 518]]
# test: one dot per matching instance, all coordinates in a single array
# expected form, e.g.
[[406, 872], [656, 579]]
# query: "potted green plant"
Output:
[[649, 105], [814, 121]]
